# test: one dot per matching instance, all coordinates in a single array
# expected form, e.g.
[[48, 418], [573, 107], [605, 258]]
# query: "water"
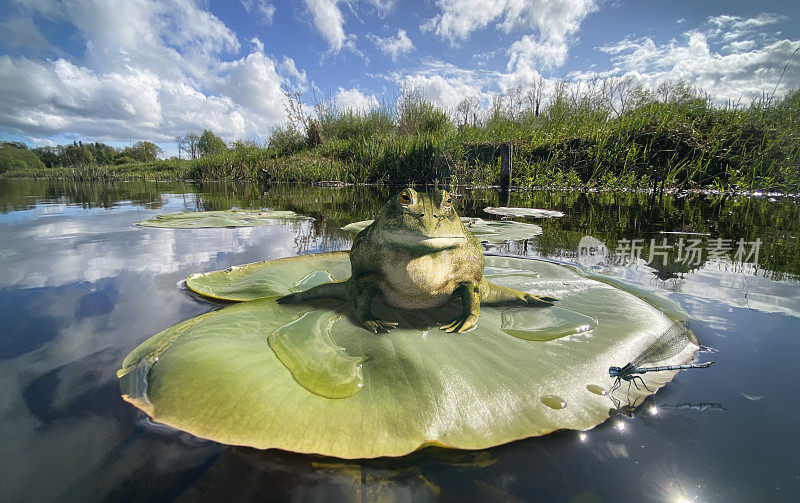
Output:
[[80, 287]]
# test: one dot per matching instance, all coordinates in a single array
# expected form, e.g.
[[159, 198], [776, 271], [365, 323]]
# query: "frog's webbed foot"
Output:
[[470, 300], [461, 323], [538, 300], [497, 295], [376, 325]]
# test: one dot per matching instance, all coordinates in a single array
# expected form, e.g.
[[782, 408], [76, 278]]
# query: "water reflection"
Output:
[[80, 287]]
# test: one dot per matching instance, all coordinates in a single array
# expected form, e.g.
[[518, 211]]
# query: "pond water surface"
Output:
[[81, 286]]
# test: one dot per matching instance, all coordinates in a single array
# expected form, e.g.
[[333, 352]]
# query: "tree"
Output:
[[467, 111], [76, 155], [514, 96], [210, 144], [48, 155], [13, 157], [534, 95], [142, 151], [190, 145]]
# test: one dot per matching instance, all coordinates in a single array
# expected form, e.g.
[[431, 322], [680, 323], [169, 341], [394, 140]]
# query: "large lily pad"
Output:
[[306, 377], [229, 218], [491, 231]]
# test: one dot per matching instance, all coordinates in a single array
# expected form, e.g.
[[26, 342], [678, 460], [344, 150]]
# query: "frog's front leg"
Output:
[[498, 295], [363, 291], [469, 292]]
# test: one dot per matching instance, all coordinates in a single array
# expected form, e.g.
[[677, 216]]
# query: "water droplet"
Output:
[[554, 402], [597, 390], [544, 324], [310, 280], [305, 347]]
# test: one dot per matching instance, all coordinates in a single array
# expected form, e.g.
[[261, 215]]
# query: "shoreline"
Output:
[[667, 190]]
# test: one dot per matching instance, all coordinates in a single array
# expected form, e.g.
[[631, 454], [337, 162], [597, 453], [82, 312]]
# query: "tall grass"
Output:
[[610, 134]]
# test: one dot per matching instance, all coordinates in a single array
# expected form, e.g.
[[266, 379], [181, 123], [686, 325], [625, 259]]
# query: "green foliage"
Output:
[[142, 151], [606, 133], [210, 144], [15, 156], [353, 124], [418, 115], [286, 140]]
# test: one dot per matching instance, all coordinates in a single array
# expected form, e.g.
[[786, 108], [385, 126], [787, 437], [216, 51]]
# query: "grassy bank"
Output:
[[577, 139]]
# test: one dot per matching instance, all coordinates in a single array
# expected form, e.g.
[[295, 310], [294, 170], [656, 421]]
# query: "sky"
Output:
[[118, 71]]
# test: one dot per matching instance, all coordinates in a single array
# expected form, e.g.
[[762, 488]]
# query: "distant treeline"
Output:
[[611, 133], [17, 155]]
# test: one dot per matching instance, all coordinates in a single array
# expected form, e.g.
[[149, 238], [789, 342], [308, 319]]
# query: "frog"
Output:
[[417, 254]]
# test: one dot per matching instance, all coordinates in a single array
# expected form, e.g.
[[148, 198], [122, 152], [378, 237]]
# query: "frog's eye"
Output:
[[404, 198], [448, 201]]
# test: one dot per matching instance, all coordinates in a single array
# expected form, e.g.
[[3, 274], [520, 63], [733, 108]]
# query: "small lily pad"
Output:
[[270, 278], [492, 231], [356, 227], [307, 377], [523, 212], [229, 218]]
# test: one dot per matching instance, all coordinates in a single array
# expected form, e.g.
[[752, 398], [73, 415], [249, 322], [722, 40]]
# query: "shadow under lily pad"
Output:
[[308, 378], [228, 218]]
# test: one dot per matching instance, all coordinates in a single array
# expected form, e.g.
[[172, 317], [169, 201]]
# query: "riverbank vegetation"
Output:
[[611, 133]]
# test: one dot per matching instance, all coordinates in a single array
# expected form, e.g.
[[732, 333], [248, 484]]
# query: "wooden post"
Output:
[[506, 151]]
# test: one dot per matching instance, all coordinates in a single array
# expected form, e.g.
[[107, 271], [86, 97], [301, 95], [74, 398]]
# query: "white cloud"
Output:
[[446, 84], [552, 23], [20, 31], [150, 71], [261, 8], [751, 66], [290, 69], [329, 21], [353, 99], [383, 7], [741, 45], [733, 27], [393, 46]]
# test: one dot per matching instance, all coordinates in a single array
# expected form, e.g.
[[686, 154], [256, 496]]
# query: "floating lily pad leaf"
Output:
[[492, 231], [523, 212], [270, 278], [230, 218], [495, 231], [261, 374], [357, 227]]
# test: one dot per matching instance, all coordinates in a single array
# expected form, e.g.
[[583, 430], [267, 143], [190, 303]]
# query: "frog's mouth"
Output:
[[426, 242]]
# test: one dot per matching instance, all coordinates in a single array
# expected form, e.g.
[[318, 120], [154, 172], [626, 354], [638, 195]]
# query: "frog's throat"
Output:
[[417, 241]]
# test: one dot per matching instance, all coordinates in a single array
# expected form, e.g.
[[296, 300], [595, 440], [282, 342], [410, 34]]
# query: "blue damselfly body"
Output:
[[668, 344]]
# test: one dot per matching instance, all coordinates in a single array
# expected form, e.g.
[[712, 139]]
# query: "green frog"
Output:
[[417, 254]]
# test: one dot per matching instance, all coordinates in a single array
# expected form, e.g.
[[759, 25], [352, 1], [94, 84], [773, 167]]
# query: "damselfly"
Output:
[[668, 344]]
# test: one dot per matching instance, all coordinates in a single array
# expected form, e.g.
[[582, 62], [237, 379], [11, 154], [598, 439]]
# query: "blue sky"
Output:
[[121, 70]]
